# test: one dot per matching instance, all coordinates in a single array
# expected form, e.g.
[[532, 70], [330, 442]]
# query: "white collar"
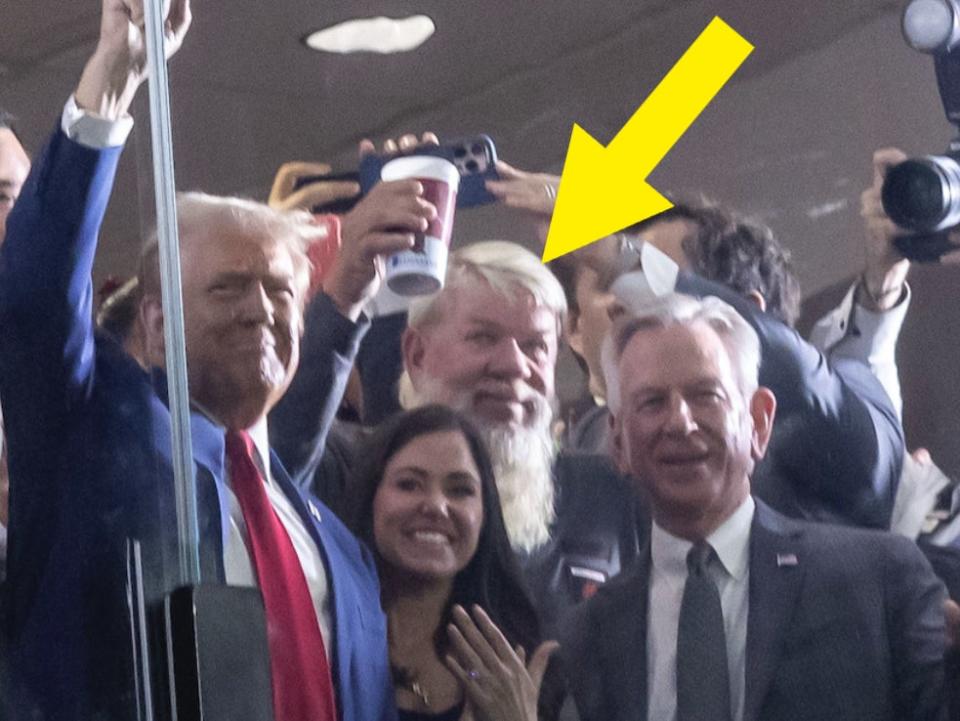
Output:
[[259, 434], [731, 541]]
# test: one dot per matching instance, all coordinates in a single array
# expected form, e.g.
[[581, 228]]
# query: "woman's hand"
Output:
[[498, 683], [535, 193]]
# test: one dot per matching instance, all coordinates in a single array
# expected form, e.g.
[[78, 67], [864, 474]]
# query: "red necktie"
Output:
[[302, 685]]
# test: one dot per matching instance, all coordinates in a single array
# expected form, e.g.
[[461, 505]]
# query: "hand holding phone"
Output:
[[475, 159]]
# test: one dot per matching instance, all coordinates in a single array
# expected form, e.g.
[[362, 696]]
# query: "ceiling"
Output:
[[789, 139]]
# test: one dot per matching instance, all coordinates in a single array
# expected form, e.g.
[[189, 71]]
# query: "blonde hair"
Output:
[[506, 267]]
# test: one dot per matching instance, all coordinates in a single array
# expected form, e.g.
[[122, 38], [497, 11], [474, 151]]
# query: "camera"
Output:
[[922, 195]]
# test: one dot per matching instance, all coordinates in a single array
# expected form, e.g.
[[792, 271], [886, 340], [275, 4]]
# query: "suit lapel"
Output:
[[776, 576], [623, 644]]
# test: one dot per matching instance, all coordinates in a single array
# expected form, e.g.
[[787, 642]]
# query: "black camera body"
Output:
[[922, 195]]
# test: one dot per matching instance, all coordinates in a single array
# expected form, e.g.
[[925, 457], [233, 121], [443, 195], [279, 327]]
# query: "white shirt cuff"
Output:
[[875, 332], [91, 130]]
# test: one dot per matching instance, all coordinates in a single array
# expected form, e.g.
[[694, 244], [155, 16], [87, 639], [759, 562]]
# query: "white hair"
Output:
[[506, 267], [196, 211], [522, 457], [739, 339]]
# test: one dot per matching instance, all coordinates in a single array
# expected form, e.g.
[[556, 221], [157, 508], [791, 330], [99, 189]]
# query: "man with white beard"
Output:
[[486, 345]]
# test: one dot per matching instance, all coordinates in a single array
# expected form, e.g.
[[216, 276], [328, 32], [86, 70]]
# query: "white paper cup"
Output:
[[420, 270]]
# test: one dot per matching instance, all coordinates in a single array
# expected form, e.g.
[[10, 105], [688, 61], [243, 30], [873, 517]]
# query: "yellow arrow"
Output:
[[603, 190]]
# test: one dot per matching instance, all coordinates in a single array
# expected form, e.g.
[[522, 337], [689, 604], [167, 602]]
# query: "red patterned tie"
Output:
[[302, 686]]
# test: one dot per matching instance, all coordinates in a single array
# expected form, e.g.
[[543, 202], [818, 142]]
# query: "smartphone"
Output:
[[340, 206], [475, 158]]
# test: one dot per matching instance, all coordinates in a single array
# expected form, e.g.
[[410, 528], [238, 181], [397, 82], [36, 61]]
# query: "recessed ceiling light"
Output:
[[373, 35]]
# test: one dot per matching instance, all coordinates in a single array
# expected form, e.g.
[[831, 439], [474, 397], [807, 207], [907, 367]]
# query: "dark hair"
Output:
[[492, 578], [742, 254], [7, 121], [567, 272]]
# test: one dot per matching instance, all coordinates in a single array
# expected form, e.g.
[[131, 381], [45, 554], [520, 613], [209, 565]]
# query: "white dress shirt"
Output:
[[237, 561], [93, 131], [855, 332], [668, 575]]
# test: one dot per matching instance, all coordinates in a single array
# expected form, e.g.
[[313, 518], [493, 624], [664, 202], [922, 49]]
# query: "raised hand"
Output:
[[535, 193], [383, 223], [885, 270], [498, 682], [118, 65]]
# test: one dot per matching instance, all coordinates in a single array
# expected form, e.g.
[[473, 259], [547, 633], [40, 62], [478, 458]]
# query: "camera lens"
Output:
[[477, 149], [473, 166], [923, 194]]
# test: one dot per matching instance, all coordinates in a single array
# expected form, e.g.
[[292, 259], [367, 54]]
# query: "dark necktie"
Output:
[[703, 683], [302, 686]]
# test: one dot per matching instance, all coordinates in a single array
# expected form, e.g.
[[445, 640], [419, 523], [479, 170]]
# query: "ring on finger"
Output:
[[551, 191], [473, 674]]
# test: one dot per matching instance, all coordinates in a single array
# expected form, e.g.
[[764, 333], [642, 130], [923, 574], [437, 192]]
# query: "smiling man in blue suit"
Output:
[[89, 436]]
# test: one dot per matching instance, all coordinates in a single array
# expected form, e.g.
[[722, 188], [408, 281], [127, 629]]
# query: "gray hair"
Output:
[[198, 210], [739, 338]]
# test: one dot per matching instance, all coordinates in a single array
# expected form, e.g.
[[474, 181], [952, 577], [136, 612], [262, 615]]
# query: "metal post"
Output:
[[176, 357]]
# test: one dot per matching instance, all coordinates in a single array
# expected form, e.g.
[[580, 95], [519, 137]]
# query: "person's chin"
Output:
[[685, 487], [505, 414]]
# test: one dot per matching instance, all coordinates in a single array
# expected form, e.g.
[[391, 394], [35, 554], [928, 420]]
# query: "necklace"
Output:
[[404, 678]]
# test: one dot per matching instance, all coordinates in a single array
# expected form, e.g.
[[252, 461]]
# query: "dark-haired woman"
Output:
[[460, 623]]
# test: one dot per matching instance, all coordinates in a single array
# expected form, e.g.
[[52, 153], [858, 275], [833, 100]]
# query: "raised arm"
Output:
[[382, 223], [46, 333]]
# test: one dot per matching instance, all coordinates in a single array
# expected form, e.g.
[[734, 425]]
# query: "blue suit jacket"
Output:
[[854, 630], [89, 458]]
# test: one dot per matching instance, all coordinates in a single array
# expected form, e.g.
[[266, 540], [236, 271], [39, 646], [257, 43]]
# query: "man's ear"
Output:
[[413, 347], [151, 318], [763, 408], [756, 297]]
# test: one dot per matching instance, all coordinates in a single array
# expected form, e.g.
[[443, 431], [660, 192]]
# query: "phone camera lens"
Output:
[[477, 149], [473, 166], [459, 151]]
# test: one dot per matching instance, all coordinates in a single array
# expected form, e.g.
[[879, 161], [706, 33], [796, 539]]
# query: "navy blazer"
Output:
[[89, 457], [854, 630]]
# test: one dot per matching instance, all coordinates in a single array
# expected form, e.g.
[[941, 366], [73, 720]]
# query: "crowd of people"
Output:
[[734, 529]]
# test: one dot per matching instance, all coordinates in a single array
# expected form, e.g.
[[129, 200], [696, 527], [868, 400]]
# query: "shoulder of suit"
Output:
[[834, 538]]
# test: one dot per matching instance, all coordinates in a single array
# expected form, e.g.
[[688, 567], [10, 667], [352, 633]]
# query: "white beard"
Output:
[[522, 462]]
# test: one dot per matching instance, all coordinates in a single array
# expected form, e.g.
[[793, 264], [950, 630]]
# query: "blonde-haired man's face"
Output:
[[492, 352]]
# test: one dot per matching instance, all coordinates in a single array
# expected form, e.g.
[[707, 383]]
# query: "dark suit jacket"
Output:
[[854, 630], [89, 455]]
